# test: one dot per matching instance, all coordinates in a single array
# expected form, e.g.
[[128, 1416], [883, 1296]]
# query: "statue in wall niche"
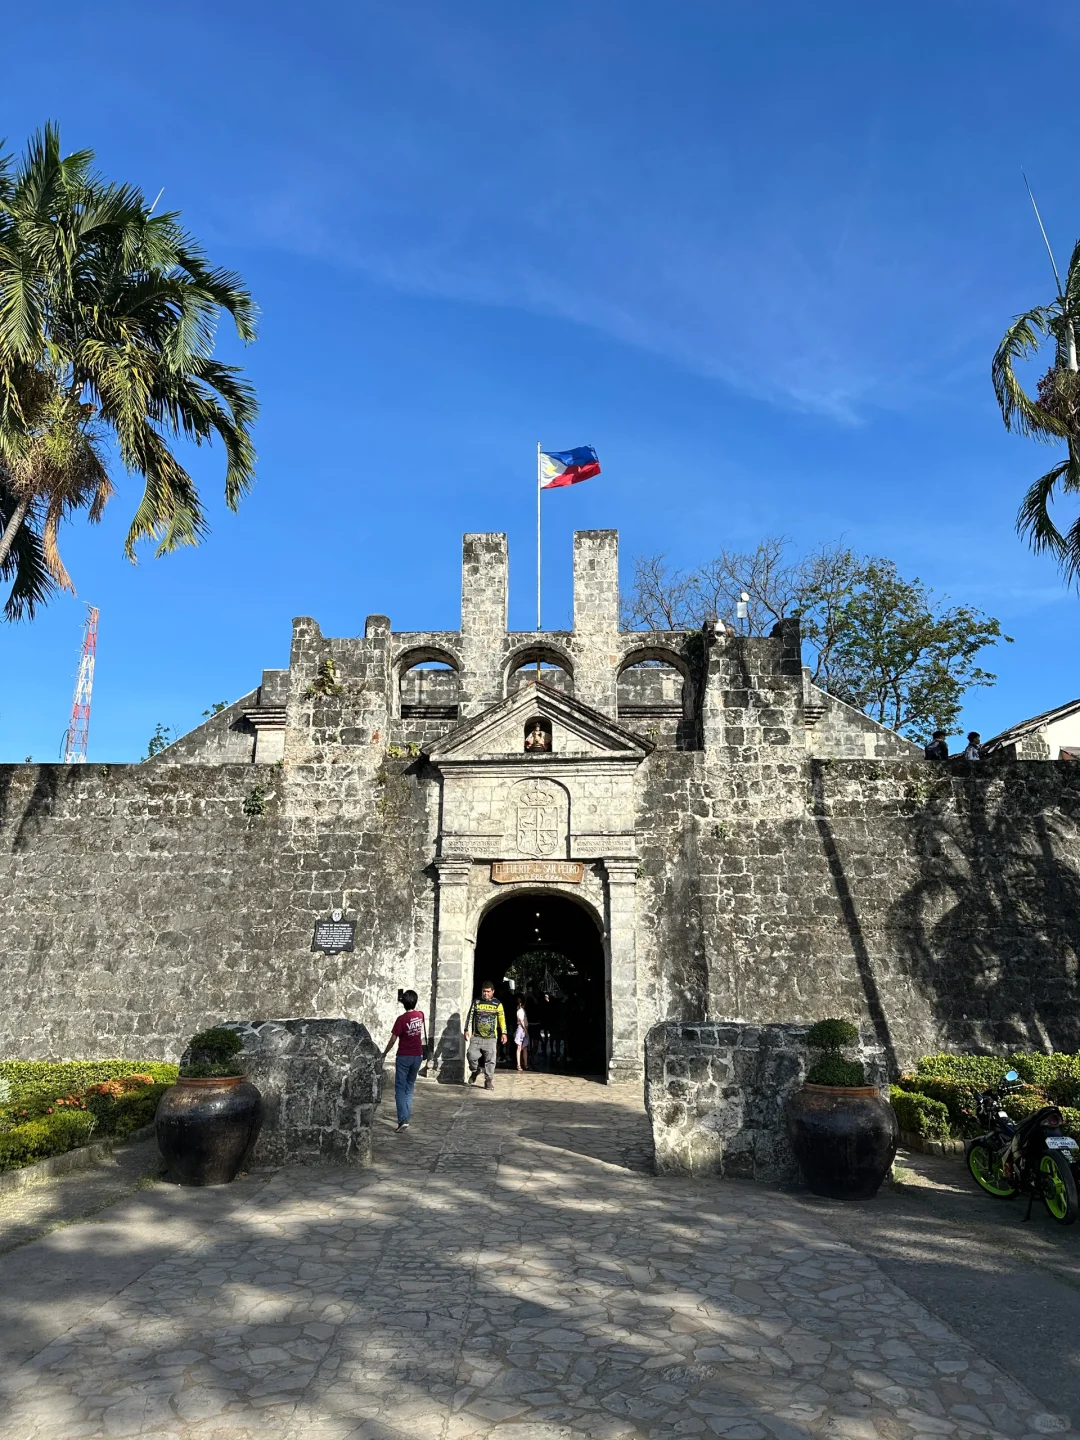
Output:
[[538, 735]]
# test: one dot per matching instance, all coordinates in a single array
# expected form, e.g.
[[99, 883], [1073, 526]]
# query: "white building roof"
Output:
[[1032, 726]]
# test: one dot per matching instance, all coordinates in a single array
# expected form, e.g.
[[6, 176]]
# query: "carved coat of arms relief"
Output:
[[539, 818]]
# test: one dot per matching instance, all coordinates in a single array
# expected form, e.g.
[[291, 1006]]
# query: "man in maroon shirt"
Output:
[[409, 1031]]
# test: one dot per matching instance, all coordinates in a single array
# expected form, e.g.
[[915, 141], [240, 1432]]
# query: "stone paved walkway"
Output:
[[37, 1209], [507, 1269]]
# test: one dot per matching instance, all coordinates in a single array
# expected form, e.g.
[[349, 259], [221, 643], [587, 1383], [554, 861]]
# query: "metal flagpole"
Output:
[[538, 535]]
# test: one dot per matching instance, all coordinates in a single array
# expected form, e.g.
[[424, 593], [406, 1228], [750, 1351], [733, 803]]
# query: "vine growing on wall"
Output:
[[255, 801], [326, 680]]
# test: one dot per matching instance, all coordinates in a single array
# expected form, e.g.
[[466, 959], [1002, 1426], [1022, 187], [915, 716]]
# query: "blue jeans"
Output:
[[406, 1069]]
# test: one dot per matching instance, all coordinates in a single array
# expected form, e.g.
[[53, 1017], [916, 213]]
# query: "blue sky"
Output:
[[758, 255]]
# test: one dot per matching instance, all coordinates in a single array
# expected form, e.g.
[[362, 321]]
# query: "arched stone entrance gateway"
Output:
[[537, 799], [554, 942]]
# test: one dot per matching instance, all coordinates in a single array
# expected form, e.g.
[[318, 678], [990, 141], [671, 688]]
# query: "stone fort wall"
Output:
[[786, 858], [138, 906]]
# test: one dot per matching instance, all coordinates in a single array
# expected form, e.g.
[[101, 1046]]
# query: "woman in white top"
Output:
[[521, 1037]]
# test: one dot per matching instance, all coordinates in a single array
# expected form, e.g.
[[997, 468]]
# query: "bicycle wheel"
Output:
[[1059, 1188], [985, 1166]]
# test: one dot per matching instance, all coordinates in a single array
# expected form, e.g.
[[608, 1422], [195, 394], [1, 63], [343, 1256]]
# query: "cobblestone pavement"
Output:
[[26, 1214], [1012, 1288], [508, 1268]]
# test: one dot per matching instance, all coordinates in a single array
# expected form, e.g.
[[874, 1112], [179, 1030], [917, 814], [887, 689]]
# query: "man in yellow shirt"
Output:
[[487, 1025]]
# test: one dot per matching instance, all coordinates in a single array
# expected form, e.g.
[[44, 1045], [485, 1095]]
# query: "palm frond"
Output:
[[1072, 282], [1022, 340], [24, 565], [117, 309], [1070, 553], [170, 512], [1034, 521]]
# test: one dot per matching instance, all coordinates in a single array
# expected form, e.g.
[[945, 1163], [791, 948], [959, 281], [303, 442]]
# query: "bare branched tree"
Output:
[[764, 575], [661, 598], [664, 598], [884, 644]]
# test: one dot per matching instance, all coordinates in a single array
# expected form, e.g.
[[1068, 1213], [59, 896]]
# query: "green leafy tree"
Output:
[[108, 318], [900, 656], [886, 645], [161, 739], [1053, 415]]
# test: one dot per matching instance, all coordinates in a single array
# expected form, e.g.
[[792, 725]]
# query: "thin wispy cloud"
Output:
[[828, 289]]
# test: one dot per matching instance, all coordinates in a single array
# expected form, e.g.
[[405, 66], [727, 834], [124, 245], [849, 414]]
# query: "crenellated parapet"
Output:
[[744, 700]]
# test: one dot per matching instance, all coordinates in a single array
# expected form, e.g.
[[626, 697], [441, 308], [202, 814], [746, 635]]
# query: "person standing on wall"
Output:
[[487, 1026], [410, 1032], [938, 749]]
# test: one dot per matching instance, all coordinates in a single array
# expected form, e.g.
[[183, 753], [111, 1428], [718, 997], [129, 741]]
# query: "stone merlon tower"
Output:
[[684, 815]]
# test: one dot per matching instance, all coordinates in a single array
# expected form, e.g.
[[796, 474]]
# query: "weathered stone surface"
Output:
[[507, 1270], [767, 854], [320, 1081], [716, 1094]]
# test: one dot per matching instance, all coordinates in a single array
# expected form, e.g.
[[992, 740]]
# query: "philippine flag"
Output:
[[567, 467]]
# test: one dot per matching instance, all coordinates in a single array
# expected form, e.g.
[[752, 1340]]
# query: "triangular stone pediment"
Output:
[[578, 732]]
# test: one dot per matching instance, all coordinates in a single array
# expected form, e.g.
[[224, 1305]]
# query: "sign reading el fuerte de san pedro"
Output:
[[506, 872]]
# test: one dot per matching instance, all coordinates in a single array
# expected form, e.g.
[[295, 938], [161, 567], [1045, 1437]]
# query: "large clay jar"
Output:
[[844, 1137], [205, 1128]]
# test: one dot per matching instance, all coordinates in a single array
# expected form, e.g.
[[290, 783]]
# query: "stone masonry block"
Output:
[[321, 1081], [729, 1118]]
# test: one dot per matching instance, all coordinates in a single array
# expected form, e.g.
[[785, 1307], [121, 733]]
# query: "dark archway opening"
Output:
[[544, 945]]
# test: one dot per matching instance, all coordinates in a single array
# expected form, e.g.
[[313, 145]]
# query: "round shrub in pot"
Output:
[[843, 1133], [209, 1121]]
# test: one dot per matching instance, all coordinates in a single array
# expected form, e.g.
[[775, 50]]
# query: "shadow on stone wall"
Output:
[[875, 1008], [989, 931], [15, 828]]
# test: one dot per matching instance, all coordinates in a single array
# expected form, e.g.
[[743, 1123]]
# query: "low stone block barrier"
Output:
[[910, 1141], [716, 1092], [321, 1081]]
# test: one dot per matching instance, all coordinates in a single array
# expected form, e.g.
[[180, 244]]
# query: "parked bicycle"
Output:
[[1031, 1158]]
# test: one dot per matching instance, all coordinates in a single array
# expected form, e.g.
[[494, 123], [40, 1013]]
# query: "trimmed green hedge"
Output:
[[50, 1135], [953, 1081], [54, 1107], [984, 1070], [919, 1114], [69, 1077], [122, 1115], [957, 1097], [977, 1070], [38, 1086]]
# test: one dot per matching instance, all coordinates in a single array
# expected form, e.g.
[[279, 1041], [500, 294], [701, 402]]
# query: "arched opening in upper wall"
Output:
[[429, 686], [541, 662], [654, 696]]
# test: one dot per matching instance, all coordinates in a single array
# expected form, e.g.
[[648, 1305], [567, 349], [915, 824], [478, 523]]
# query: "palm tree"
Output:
[[108, 317], [1054, 415]]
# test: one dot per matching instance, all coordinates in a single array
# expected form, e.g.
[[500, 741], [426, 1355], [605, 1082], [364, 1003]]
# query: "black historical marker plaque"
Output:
[[334, 936]]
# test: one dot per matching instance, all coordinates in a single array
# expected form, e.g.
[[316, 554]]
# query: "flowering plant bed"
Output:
[[48, 1108]]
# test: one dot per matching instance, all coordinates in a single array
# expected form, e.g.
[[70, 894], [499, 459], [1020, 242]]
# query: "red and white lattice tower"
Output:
[[78, 731]]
